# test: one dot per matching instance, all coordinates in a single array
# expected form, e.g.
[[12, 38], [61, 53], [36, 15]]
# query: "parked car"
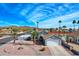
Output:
[[24, 37]]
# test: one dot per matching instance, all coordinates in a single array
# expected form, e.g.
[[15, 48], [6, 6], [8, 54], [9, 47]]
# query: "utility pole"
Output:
[[37, 26], [37, 29]]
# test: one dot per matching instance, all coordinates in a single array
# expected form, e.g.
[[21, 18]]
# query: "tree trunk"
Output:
[[33, 39], [14, 40], [59, 29], [74, 27]]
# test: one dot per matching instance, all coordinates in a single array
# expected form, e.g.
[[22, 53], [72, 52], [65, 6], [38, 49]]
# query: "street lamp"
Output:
[[59, 25], [59, 28], [37, 24]]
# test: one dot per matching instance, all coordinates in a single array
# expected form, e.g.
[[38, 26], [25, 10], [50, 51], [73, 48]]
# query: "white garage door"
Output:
[[52, 42]]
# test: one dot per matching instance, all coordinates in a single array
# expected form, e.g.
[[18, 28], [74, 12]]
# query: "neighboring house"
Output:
[[77, 36], [77, 40], [74, 37]]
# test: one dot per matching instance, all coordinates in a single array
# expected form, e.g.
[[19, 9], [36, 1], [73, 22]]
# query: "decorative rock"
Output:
[[20, 48]]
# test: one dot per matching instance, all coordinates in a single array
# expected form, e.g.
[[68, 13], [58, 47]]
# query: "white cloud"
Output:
[[23, 12], [67, 5], [53, 22], [36, 17], [61, 8]]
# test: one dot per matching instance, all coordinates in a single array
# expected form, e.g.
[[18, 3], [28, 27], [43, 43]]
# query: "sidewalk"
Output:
[[75, 46]]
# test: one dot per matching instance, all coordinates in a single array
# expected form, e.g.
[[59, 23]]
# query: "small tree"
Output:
[[34, 35], [24, 29], [14, 33], [70, 30]]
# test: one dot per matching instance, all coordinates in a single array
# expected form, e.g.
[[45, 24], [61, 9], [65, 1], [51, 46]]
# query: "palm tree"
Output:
[[78, 27], [78, 23], [59, 22], [74, 22], [59, 25], [64, 27]]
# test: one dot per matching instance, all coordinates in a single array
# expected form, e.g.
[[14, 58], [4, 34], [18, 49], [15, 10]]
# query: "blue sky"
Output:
[[47, 14]]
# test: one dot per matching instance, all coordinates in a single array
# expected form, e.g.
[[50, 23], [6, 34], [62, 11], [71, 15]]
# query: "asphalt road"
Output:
[[5, 40]]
